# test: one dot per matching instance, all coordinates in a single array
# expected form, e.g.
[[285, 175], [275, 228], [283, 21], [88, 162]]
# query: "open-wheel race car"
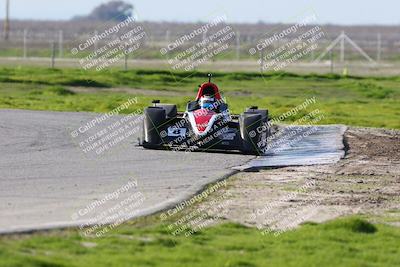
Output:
[[207, 124]]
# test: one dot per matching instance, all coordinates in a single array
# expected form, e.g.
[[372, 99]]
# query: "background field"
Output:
[[351, 100]]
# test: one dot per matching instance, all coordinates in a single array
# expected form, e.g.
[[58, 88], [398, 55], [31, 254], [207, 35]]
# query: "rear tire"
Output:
[[154, 118], [171, 110]]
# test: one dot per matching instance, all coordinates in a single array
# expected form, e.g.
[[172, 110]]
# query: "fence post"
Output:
[[126, 57], [167, 37], [262, 61], [95, 42], [53, 54], [379, 48], [25, 43], [7, 21], [312, 55], [238, 45], [342, 47], [61, 43]]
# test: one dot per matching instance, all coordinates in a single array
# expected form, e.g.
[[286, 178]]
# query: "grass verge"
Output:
[[343, 242]]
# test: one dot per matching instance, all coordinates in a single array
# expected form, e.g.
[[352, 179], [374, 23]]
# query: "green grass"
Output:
[[357, 101], [344, 242]]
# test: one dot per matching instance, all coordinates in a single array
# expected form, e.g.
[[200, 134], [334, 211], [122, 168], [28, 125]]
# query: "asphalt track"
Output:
[[53, 175], [48, 181]]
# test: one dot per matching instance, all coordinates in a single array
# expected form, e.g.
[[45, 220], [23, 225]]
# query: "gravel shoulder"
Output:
[[366, 182]]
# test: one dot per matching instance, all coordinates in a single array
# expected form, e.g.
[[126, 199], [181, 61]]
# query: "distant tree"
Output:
[[114, 10]]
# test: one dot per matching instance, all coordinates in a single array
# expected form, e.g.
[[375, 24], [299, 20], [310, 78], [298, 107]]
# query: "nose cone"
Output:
[[203, 118]]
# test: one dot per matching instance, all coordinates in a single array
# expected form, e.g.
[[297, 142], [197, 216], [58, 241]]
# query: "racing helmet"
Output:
[[207, 102]]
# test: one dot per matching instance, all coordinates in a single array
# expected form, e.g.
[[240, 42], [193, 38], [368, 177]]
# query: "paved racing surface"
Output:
[[46, 180]]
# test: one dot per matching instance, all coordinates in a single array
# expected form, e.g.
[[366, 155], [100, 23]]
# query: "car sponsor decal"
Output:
[[176, 132], [228, 136]]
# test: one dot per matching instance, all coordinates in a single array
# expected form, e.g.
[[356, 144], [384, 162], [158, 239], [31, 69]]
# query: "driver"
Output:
[[207, 102]]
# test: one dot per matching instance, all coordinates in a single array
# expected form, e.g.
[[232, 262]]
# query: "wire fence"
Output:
[[26, 43]]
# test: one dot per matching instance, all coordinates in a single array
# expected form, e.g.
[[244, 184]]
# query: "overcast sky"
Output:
[[328, 11]]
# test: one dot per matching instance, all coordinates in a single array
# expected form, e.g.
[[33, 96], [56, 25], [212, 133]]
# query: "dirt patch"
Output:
[[366, 181]]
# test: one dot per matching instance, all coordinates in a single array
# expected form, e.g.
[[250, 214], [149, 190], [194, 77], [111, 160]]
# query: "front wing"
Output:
[[177, 134]]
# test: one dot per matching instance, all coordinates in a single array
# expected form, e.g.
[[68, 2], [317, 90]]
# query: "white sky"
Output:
[[328, 11]]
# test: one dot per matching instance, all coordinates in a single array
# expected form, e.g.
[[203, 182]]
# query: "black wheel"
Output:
[[254, 131], [154, 118]]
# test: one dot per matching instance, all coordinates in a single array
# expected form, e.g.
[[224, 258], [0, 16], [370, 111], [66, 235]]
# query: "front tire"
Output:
[[154, 118], [254, 131]]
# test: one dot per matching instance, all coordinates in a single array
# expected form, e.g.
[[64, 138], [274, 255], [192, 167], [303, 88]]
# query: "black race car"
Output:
[[206, 124]]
